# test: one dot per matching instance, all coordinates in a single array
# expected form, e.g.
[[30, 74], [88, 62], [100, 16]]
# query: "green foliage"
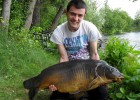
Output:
[[93, 14], [119, 54], [115, 21], [57, 3], [20, 60], [18, 14], [129, 89], [17, 18], [136, 22], [122, 94], [132, 70], [48, 12], [0, 7], [115, 50]]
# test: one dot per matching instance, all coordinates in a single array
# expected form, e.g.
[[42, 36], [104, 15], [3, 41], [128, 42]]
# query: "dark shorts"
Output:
[[99, 93]]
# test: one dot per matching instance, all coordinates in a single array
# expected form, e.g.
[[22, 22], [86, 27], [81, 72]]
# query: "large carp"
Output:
[[73, 76]]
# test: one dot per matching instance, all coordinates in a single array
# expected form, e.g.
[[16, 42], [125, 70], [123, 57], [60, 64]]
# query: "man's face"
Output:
[[74, 17]]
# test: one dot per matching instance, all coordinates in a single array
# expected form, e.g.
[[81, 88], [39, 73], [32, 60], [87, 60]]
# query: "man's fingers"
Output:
[[52, 88]]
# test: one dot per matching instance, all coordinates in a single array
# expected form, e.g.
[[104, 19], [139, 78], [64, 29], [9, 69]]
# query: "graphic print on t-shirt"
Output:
[[77, 47]]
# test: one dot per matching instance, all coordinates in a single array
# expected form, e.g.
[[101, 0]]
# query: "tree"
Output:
[[30, 14], [136, 23], [57, 17], [137, 16], [58, 14], [36, 14], [6, 13], [92, 13], [116, 21]]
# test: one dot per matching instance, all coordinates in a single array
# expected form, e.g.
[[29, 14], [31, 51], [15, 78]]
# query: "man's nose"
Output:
[[76, 17]]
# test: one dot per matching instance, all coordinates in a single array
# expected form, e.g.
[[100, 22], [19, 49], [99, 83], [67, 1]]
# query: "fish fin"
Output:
[[78, 95], [94, 83], [31, 83], [32, 93], [75, 92]]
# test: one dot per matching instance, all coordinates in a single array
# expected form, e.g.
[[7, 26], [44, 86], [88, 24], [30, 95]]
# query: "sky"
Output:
[[127, 5]]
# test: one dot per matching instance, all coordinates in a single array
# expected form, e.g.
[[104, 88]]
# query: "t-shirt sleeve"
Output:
[[94, 33], [57, 37]]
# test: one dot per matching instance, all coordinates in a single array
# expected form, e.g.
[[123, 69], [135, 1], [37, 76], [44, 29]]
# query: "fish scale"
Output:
[[73, 77]]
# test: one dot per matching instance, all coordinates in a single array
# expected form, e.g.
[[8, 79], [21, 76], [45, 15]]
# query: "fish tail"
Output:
[[30, 83]]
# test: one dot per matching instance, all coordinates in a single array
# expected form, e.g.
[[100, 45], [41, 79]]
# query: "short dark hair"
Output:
[[77, 3]]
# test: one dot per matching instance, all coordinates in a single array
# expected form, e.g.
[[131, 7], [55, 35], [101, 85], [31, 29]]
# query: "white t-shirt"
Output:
[[76, 43]]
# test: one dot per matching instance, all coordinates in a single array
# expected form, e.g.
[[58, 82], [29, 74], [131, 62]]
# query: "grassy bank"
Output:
[[20, 60]]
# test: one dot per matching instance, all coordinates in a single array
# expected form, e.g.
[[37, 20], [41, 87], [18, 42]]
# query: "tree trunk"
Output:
[[30, 14], [57, 17], [6, 13], [36, 14]]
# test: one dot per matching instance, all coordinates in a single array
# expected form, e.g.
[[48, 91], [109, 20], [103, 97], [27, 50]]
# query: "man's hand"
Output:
[[52, 88]]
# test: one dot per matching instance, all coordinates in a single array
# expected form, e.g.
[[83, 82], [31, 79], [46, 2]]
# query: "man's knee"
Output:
[[99, 93], [59, 96]]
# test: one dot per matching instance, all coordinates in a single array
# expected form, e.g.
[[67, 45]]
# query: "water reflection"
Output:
[[133, 38]]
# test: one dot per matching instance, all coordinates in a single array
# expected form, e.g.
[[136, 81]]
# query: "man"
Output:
[[77, 39]]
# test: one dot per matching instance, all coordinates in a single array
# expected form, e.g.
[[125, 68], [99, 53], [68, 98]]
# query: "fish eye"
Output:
[[111, 69]]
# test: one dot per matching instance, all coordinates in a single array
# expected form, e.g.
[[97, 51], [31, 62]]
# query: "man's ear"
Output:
[[85, 14]]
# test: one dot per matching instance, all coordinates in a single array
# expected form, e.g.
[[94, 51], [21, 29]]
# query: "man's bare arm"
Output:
[[93, 50], [62, 52], [63, 58]]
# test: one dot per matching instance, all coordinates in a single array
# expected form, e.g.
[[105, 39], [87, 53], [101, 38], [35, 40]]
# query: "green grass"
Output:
[[18, 62]]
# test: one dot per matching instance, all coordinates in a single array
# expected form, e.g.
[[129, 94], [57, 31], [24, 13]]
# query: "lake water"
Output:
[[132, 37]]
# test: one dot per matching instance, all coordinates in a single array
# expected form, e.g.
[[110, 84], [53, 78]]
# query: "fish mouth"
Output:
[[118, 79]]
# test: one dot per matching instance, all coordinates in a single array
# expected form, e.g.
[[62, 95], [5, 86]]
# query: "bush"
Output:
[[120, 54], [115, 50]]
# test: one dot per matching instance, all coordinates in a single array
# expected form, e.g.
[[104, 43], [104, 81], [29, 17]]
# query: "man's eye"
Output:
[[73, 14], [80, 15]]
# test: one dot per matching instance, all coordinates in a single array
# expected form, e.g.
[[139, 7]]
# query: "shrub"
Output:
[[115, 50], [120, 54]]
